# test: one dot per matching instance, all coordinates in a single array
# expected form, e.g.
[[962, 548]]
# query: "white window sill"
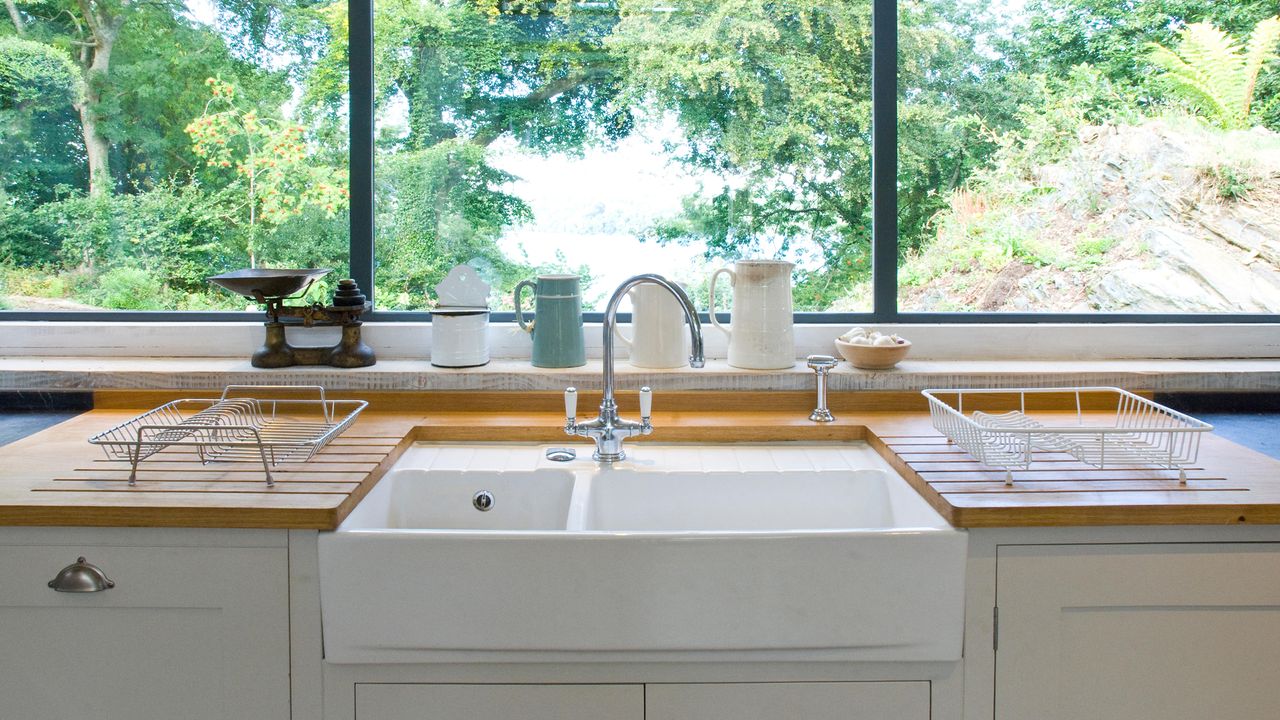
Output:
[[412, 341], [204, 374]]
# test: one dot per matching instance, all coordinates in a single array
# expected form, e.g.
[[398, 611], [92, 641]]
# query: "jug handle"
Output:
[[711, 301], [516, 298], [617, 329], [617, 332]]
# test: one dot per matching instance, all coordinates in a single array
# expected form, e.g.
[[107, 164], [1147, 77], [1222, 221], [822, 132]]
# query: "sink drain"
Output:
[[482, 501]]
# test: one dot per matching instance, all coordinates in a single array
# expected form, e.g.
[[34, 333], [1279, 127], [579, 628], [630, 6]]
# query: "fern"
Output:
[[1214, 73], [1260, 50]]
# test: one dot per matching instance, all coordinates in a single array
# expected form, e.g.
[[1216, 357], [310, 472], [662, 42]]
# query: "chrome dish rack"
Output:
[[1137, 432], [245, 424]]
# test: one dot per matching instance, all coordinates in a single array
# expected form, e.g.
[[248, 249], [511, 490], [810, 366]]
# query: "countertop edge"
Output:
[[79, 373]]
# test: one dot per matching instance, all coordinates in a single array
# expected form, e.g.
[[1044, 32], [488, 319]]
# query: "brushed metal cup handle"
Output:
[[81, 577]]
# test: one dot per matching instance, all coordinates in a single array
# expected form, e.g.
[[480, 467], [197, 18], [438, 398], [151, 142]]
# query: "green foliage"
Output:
[[771, 99], [441, 206], [39, 86], [1112, 35], [146, 120], [466, 71], [1094, 246], [23, 242], [274, 173], [34, 72], [1228, 181], [130, 288], [1214, 73], [176, 232]]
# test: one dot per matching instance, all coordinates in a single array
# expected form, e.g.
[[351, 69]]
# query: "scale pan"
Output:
[[272, 283]]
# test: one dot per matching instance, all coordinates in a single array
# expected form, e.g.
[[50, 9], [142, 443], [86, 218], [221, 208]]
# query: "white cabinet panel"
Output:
[[1138, 632], [499, 702], [789, 701], [194, 633]]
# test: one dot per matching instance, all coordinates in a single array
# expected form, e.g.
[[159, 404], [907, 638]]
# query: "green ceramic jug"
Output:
[[557, 321]]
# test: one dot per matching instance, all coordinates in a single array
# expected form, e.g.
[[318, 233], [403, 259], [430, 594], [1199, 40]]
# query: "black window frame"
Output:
[[884, 176]]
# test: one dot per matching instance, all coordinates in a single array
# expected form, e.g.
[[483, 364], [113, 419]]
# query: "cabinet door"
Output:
[[789, 701], [193, 633], [499, 702], [1138, 632]]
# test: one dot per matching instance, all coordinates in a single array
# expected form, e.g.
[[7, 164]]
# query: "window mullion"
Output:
[[884, 159]]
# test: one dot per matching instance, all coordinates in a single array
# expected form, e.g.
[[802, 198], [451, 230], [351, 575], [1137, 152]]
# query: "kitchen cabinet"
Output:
[[1173, 631], [785, 701], [189, 631], [661, 701], [498, 702]]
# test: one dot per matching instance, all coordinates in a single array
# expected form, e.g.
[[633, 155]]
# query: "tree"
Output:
[[275, 173], [453, 77], [38, 87]]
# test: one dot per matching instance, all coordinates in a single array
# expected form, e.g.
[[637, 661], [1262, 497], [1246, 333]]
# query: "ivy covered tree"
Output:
[[39, 87]]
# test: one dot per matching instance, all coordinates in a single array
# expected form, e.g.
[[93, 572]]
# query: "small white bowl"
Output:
[[873, 357]]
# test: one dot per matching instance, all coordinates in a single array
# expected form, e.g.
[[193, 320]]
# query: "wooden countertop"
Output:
[[56, 477]]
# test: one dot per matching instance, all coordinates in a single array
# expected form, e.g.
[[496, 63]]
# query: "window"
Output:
[[608, 138], [1089, 156], [1034, 159]]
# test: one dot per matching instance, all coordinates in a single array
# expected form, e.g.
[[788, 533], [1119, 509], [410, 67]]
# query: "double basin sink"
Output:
[[493, 552]]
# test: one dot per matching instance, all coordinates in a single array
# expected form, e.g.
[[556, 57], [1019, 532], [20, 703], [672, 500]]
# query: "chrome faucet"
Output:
[[607, 429]]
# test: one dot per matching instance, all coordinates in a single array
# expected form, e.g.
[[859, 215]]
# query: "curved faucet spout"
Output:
[[696, 356], [608, 430]]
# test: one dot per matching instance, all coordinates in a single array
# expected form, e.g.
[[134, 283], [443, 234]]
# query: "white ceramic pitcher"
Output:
[[760, 333], [657, 323]]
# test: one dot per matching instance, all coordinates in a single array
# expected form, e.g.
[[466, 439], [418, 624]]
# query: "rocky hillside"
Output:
[[1165, 216]]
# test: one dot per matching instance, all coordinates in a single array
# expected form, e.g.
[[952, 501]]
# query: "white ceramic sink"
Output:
[[444, 499], [763, 501], [695, 552]]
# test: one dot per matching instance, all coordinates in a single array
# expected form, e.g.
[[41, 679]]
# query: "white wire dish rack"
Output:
[[1131, 430], [248, 423]]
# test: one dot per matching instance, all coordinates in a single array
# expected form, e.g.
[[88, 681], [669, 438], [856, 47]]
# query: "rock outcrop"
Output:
[[1190, 218]]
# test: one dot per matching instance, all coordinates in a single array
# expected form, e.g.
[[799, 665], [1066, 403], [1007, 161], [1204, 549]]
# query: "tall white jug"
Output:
[[760, 327], [657, 322]]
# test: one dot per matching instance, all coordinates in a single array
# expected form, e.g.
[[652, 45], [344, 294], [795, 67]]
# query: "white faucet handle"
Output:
[[646, 403], [571, 403]]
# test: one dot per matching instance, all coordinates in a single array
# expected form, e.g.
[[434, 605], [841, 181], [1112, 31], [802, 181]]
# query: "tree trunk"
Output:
[[103, 30], [96, 147], [16, 17]]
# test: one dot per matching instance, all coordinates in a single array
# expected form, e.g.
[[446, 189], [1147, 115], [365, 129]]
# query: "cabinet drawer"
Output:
[[189, 632], [789, 701], [499, 702], [1138, 632]]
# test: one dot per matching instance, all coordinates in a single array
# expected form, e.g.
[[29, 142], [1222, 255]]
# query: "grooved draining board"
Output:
[[1229, 484], [57, 478]]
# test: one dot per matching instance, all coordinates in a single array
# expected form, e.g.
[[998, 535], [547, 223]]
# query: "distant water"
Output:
[[591, 210]]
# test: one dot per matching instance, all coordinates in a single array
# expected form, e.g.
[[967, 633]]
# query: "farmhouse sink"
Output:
[[765, 501], [683, 552]]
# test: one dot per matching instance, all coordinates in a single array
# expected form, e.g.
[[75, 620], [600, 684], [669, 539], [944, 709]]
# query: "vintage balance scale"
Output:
[[272, 288]]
